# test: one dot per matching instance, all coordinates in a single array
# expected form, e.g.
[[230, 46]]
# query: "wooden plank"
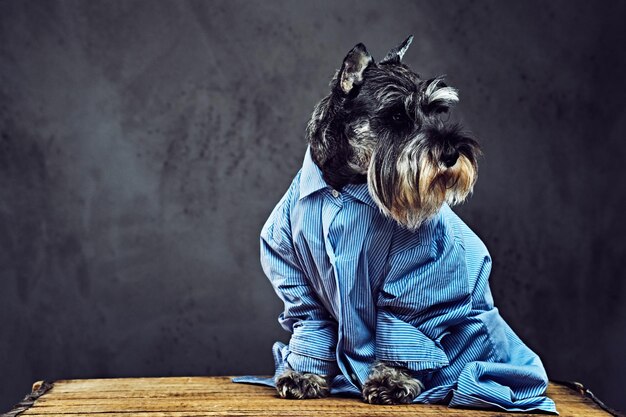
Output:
[[218, 396], [558, 393], [416, 412]]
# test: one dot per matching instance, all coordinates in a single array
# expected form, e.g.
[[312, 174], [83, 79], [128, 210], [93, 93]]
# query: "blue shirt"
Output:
[[358, 288]]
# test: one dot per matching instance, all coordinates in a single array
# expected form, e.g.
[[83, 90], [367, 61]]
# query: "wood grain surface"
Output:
[[218, 396]]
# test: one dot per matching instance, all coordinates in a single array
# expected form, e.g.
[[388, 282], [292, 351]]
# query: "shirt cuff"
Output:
[[313, 347], [307, 364]]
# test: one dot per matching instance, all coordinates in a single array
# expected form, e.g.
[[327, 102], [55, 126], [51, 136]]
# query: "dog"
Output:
[[385, 288]]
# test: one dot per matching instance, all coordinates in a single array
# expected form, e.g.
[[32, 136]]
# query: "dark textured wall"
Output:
[[143, 144]]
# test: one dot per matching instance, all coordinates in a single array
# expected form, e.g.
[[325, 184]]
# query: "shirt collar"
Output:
[[361, 193], [311, 180]]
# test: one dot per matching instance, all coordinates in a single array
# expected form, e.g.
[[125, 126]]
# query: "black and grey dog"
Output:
[[381, 124]]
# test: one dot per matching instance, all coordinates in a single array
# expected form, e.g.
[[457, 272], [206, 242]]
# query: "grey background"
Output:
[[144, 143]]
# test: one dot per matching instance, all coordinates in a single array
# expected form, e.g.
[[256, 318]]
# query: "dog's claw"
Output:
[[390, 385], [301, 386]]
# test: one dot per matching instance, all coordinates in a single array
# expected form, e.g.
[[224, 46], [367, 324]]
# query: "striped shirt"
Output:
[[358, 288]]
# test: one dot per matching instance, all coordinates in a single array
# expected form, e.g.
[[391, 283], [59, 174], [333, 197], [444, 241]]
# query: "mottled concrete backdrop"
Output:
[[144, 143]]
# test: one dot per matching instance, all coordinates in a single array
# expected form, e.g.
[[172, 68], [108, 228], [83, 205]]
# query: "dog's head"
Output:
[[382, 124]]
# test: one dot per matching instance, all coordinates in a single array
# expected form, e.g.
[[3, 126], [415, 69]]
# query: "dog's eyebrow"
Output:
[[437, 93], [390, 94]]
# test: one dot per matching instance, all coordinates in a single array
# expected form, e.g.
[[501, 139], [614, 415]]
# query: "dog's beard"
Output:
[[410, 185]]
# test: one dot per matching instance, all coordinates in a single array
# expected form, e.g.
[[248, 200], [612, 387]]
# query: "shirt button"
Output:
[[335, 193]]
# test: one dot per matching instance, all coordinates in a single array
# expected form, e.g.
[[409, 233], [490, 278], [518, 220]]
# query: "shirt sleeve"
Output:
[[425, 292], [312, 347]]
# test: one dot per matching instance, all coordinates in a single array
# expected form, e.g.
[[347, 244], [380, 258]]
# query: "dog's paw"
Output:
[[389, 385], [301, 386]]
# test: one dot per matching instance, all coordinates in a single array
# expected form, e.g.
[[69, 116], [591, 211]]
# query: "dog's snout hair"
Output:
[[408, 180]]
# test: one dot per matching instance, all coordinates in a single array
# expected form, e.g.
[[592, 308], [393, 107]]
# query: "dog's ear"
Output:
[[395, 55], [351, 72]]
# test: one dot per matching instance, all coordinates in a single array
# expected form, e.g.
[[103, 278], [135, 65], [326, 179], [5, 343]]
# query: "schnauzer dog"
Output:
[[381, 127]]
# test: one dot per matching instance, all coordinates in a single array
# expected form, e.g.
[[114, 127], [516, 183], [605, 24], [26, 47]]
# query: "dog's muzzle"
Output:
[[410, 181]]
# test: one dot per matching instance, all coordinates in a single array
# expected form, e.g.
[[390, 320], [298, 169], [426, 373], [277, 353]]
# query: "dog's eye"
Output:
[[397, 117]]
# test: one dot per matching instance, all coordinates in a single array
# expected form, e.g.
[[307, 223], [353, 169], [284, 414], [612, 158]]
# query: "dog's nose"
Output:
[[449, 158]]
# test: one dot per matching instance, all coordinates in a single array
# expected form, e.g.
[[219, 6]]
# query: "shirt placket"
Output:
[[330, 208], [333, 203]]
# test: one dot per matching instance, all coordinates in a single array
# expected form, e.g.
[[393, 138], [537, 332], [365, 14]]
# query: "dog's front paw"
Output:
[[296, 385], [389, 385]]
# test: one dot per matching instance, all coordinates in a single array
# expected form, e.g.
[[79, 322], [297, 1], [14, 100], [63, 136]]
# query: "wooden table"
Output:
[[218, 396]]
